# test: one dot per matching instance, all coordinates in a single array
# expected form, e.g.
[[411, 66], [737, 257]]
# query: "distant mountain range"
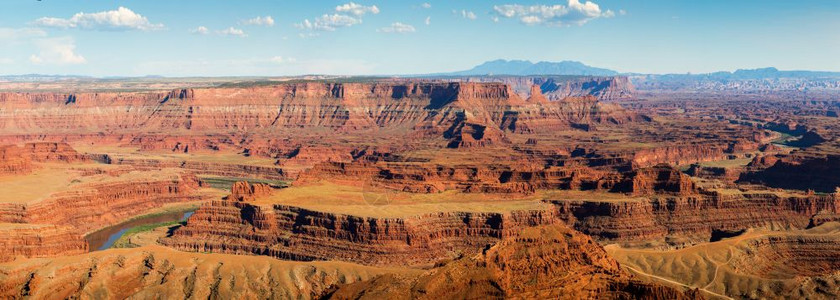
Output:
[[503, 67], [524, 68], [762, 73]]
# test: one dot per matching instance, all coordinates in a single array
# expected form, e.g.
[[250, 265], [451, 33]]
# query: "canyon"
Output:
[[438, 187]]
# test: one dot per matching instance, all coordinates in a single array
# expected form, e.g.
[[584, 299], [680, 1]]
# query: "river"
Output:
[[105, 238]]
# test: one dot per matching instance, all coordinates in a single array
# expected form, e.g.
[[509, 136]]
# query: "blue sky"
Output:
[[217, 38]]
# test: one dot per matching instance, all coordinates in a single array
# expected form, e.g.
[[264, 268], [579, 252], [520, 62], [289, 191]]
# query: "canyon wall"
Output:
[[695, 217], [299, 234], [547, 262], [39, 240], [345, 106], [559, 87]]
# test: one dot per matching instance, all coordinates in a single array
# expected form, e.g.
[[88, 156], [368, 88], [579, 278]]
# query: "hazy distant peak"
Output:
[[524, 67]]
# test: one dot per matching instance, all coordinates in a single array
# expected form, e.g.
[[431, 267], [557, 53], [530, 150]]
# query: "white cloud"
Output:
[[60, 51], [428, 21], [575, 13], [8, 34], [282, 60], [426, 5], [468, 14], [329, 22], [397, 28], [261, 21], [230, 31], [357, 9], [345, 15], [200, 30], [120, 19], [622, 12]]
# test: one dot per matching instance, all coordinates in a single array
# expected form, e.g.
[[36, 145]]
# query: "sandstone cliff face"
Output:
[[13, 161], [55, 226], [695, 217], [548, 262], [245, 191], [25, 240], [559, 87], [47, 152], [344, 106], [294, 233], [658, 179], [101, 205], [802, 172], [16, 160], [679, 155], [493, 178]]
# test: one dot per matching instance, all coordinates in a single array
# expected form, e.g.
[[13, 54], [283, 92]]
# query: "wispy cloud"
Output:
[[200, 30], [426, 5], [120, 19], [345, 15], [357, 9], [466, 14], [9, 34], [261, 21], [428, 21], [59, 51], [230, 31], [282, 60], [397, 28], [575, 13]]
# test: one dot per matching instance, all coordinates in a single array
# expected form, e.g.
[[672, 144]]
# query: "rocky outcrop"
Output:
[[680, 154], [299, 234], [658, 179], [548, 262], [494, 178], [783, 256], [801, 172], [53, 152], [246, 191], [55, 225], [695, 218], [16, 160], [37, 240], [13, 161], [729, 175], [100, 205]]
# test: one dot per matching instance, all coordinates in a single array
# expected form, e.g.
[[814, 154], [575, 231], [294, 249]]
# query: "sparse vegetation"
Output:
[[224, 183]]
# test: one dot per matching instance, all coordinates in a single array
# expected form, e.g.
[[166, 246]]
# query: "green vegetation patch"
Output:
[[124, 240]]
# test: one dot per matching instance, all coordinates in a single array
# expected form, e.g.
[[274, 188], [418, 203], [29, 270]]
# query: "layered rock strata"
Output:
[[695, 217], [299, 234], [38, 240], [548, 262]]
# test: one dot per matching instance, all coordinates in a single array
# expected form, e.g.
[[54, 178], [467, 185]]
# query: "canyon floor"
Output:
[[529, 187]]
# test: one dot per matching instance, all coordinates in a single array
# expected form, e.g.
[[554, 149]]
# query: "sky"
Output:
[[383, 37]]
